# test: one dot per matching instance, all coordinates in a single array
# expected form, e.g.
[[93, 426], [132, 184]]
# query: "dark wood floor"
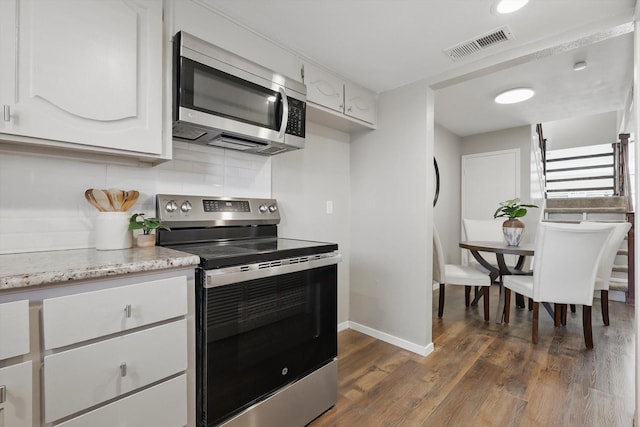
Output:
[[486, 374]]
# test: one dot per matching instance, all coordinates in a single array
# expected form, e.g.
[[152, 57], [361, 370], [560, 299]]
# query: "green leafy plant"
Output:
[[512, 209], [139, 222]]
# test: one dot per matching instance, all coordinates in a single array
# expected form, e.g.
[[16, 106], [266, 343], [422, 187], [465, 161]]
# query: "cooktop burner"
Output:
[[225, 254]]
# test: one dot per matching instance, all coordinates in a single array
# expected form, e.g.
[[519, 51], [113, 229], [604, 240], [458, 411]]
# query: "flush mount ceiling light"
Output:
[[512, 96], [509, 6], [578, 66]]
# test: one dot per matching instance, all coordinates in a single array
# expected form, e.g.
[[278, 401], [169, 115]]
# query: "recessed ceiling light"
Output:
[[509, 6], [512, 96], [578, 66]]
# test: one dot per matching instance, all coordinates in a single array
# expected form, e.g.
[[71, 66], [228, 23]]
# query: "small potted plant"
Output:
[[137, 221], [512, 228]]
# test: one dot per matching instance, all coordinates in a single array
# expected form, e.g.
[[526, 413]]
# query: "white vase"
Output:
[[513, 230], [112, 231]]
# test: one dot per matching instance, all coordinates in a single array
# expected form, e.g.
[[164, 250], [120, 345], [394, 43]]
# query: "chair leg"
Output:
[[573, 308], [586, 324], [486, 302], [563, 311], [530, 304], [557, 314], [604, 302], [507, 304], [467, 295], [534, 326], [441, 300]]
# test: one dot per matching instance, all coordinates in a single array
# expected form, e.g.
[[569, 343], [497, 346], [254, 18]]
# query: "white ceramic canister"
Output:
[[112, 231]]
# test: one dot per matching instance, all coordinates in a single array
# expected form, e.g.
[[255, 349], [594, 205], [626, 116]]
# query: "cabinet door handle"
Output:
[[7, 113], [127, 311], [123, 369], [3, 393]]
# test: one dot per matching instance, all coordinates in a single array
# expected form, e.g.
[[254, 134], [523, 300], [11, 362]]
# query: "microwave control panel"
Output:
[[296, 118]]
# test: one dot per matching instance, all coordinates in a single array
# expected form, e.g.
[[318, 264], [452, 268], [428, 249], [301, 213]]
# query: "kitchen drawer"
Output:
[[163, 405], [75, 318], [86, 376], [14, 329], [16, 411]]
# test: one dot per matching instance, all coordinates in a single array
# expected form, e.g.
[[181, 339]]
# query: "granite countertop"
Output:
[[42, 268]]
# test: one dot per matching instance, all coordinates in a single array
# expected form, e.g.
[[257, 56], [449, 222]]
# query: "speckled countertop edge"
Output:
[[23, 270]]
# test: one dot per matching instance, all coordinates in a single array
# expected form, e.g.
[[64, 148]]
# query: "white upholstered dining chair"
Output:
[[605, 268], [454, 274], [564, 272]]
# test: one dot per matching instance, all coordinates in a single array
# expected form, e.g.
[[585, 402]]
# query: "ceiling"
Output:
[[385, 44]]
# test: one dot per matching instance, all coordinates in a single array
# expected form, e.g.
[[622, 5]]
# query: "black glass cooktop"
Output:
[[225, 254]]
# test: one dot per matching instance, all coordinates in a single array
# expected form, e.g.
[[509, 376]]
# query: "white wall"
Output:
[[391, 221], [447, 211], [43, 205], [579, 131], [304, 181]]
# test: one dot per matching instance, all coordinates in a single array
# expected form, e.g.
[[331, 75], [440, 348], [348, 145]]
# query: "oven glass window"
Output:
[[213, 91], [260, 335]]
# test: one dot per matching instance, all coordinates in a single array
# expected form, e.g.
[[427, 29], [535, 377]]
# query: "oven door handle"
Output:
[[243, 273]]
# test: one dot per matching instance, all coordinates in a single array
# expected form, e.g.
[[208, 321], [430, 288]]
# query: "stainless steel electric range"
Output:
[[266, 310]]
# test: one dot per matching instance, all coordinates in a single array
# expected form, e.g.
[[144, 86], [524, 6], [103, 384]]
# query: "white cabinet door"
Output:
[[14, 329], [16, 411], [75, 318], [360, 103], [86, 72], [163, 405], [86, 376], [324, 88]]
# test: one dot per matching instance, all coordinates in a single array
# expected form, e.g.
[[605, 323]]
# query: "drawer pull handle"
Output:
[[127, 311], [3, 393], [7, 113], [123, 369]]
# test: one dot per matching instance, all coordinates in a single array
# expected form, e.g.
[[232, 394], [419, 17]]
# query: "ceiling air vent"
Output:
[[475, 45]]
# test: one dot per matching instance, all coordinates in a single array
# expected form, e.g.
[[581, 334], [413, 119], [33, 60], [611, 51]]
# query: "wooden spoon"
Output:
[[130, 198], [89, 196], [102, 199], [116, 197]]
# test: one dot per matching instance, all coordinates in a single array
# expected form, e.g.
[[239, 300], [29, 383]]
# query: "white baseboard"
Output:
[[398, 342], [343, 326]]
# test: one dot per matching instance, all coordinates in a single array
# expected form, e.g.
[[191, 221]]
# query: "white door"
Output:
[[488, 179]]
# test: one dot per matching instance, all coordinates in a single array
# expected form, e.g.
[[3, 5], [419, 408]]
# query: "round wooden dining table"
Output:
[[500, 249]]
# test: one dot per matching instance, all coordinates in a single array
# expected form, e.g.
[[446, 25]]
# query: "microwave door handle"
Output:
[[285, 113]]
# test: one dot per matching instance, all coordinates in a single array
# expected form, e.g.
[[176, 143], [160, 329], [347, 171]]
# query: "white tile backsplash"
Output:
[[42, 204]]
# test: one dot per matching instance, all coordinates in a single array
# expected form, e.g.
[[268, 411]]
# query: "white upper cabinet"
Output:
[[359, 103], [88, 73], [324, 88], [354, 106]]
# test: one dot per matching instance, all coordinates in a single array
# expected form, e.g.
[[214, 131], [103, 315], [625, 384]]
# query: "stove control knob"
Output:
[[273, 208], [186, 206], [262, 208], [171, 206]]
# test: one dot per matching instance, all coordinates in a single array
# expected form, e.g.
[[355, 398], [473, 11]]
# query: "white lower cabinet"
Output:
[[119, 356], [14, 329], [16, 395], [80, 378], [71, 319], [163, 405]]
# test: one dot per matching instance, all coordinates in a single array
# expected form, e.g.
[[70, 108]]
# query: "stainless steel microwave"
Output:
[[223, 100]]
